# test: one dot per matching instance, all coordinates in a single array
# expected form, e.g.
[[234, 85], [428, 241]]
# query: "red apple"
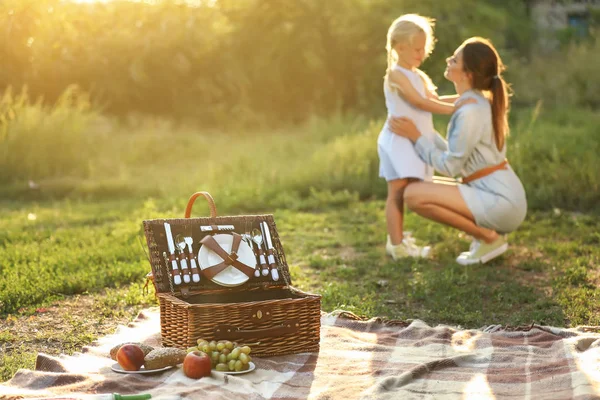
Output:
[[196, 365], [130, 357]]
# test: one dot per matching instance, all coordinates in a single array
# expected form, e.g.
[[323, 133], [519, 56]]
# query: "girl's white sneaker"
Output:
[[407, 248]]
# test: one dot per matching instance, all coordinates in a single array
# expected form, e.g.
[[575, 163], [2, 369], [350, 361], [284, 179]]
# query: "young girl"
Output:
[[408, 93]]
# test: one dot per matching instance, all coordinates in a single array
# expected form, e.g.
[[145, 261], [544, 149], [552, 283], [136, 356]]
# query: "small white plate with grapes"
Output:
[[226, 356], [251, 367]]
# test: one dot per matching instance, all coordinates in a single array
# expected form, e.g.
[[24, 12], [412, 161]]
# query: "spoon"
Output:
[[180, 243], [258, 239], [247, 236]]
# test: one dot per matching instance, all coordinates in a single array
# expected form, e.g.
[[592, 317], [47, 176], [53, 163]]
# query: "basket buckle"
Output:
[[261, 314]]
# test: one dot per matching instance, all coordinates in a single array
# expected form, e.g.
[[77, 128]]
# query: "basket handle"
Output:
[[209, 199], [233, 332]]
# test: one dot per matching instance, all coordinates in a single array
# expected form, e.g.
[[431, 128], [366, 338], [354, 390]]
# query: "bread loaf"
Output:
[[164, 357]]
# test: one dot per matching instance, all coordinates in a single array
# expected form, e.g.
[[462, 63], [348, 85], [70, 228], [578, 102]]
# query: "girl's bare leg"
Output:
[[444, 204], [394, 209]]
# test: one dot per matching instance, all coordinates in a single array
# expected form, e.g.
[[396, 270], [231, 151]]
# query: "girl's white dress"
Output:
[[397, 156]]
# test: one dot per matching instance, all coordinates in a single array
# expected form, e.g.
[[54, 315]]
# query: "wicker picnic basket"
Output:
[[273, 316]]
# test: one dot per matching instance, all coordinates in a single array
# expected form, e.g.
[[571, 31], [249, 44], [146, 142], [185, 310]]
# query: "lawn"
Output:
[[81, 270], [74, 259]]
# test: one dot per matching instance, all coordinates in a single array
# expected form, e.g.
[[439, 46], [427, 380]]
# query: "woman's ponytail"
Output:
[[500, 108], [483, 62]]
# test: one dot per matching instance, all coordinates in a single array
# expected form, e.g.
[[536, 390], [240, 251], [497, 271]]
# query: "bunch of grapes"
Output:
[[225, 356]]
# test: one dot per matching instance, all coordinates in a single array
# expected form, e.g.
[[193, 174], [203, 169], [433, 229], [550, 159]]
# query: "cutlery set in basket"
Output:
[[228, 278], [226, 259]]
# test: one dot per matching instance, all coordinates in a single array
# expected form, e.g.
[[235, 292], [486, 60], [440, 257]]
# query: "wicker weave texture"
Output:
[[183, 323], [271, 316]]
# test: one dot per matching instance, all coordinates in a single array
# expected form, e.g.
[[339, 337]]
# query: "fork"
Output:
[[180, 244], [189, 241]]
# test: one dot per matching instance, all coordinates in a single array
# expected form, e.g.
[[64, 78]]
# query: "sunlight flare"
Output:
[[478, 388]]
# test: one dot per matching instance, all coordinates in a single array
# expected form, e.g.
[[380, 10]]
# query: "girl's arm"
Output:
[[398, 80], [432, 94], [449, 99]]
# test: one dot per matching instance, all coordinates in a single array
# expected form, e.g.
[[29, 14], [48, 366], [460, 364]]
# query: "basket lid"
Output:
[[223, 257]]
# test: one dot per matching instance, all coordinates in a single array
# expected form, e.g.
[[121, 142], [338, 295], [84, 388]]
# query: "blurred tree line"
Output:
[[250, 60]]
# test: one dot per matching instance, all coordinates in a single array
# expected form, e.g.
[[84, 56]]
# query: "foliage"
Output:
[[255, 61], [569, 77], [38, 141], [69, 150]]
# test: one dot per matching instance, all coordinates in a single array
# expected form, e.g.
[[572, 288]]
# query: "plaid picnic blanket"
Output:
[[358, 359]]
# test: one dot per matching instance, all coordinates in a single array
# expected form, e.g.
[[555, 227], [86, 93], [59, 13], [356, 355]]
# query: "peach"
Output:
[[130, 357]]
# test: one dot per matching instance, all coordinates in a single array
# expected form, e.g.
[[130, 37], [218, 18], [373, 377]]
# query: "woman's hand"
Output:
[[405, 127]]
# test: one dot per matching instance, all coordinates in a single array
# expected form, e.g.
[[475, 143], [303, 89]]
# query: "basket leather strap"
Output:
[[228, 259], [233, 332]]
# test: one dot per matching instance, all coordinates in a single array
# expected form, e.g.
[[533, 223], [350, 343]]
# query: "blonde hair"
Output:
[[404, 29]]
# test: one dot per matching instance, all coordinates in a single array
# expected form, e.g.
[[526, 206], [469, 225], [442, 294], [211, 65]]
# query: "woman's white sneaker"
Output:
[[482, 252]]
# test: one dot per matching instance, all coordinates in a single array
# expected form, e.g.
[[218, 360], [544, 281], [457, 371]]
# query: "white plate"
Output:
[[251, 367], [117, 368], [230, 276]]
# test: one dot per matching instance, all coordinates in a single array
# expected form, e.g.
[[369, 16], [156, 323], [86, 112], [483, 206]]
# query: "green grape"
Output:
[[212, 345], [238, 365], [214, 356], [222, 367], [190, 349], [244, 358], [205, 348], [235, 353], [201, 342], [222, 358], [229, 357], [231, 365], [220, 346], [225, 351], [229, 345], [246, 349]]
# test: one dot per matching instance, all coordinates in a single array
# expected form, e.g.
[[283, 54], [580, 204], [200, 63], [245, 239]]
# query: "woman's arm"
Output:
[[398, 80], [465, 131]]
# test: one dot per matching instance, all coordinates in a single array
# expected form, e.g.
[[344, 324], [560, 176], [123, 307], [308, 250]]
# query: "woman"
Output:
[[491, 200]]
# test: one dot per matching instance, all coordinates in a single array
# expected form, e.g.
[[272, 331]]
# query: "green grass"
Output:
[[84, 155], [78, 235], [74, 248]]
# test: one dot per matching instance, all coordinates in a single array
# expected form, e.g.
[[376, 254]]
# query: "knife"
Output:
[[210, 228], [256, 271], [270, 250], [265, 270], [171, 245]]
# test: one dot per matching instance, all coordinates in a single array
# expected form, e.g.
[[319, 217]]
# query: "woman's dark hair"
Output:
[[482, 61]]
